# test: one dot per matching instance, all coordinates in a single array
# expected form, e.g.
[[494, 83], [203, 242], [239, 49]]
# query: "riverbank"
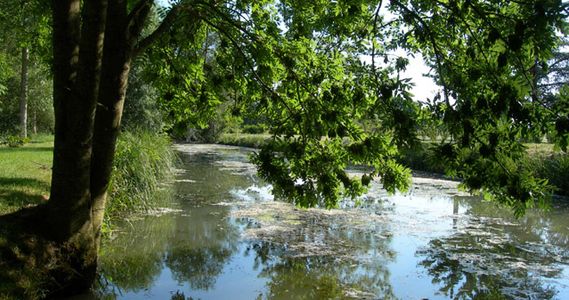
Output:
[[546, 162], [143, 162]]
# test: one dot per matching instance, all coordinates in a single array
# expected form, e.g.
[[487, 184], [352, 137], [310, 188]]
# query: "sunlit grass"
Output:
[[25, 173], [540, 149], [243, 139]]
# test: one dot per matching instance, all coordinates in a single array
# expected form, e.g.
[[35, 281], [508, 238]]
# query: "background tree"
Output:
[[26, 39], [554, 74]]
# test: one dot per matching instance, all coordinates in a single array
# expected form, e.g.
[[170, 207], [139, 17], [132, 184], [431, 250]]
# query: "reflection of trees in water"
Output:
[[464, 275], [211, 183], [319, 277], [197, 266], [535, 227], [133, 260], [491, 254], [195, 245], [317, 255], [205, 241], [195, 254]]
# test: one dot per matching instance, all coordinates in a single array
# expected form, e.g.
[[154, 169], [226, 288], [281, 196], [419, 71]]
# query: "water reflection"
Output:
[[320, 277], [226, 239], [130, 262], [194, 245], [318, 254], [491, 254]]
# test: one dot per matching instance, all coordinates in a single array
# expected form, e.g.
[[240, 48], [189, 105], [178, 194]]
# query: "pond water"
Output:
[[226, 238]]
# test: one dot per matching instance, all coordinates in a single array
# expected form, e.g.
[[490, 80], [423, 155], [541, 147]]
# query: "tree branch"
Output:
[[438, 53], [138, 8], [135, 21], [249, 63], [165, 25]]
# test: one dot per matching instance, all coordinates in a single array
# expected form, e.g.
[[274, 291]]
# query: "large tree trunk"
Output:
[[83, 158], [92, 55], [78, 52], [24, 93], [116, 66], [122, 33]]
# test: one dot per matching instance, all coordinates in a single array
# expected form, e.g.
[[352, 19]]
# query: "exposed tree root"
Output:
[[33, 265]]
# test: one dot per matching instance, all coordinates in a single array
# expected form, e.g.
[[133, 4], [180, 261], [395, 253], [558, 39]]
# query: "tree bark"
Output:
[[122, 32], [78, 52], [116, 65], [34, 121], [93, 45], [89, 107], [24, 93]]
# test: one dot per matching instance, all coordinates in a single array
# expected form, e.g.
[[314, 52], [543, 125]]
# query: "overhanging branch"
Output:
[[135, 21], [162, 28]]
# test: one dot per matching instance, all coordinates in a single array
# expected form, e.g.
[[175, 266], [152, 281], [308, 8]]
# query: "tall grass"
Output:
[[243, 139], [554, 168], [144, 161]]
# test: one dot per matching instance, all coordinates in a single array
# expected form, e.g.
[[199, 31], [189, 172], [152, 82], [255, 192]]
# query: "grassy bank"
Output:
[[25, 173], [143, 162], [243, 139]]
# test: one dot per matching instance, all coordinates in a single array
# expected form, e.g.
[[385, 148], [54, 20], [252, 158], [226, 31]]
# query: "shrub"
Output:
[[243, 140], [421, 157], [14, 141], [253, 129], [143, 162]]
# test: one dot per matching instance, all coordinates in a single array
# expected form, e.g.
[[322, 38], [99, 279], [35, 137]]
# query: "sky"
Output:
[[424, 87]]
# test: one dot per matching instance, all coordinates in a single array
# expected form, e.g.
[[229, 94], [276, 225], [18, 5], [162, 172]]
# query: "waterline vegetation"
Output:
[[542, 159], [143, 165]]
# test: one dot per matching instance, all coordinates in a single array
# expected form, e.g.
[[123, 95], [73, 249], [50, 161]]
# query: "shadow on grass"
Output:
[[33, 263], [11, 193], [26, 149]]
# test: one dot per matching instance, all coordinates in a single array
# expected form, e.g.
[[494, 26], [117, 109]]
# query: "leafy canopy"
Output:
[[321, 71]]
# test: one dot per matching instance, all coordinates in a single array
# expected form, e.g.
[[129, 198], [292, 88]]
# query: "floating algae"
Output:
[[310, 232]]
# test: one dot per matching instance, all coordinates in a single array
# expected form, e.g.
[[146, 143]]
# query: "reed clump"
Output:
[[144, 164]]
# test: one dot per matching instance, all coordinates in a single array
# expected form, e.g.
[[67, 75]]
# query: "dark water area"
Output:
[[225, 237]]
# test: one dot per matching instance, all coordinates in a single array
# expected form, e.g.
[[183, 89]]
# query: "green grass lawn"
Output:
[[25, 174]]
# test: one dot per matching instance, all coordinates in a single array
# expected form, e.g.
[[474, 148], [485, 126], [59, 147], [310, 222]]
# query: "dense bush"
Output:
[[144, 161], [141, 109], [243, 140], [421, 158], [14, 141]]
